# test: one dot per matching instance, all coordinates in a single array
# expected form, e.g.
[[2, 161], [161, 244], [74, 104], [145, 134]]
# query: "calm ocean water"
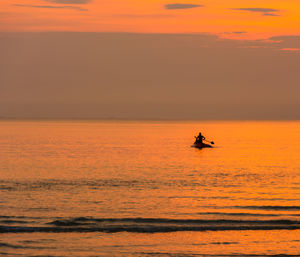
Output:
[[95, 188]]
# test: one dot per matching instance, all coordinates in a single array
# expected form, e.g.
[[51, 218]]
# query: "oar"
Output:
[[212, 142]]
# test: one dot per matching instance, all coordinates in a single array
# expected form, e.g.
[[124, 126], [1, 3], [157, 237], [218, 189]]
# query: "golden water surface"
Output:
[[99, 188]]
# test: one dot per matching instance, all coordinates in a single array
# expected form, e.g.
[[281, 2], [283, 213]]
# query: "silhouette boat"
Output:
[[199, 142], [203, 145]]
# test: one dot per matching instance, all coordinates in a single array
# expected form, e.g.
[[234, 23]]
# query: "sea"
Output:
[[138, 188]]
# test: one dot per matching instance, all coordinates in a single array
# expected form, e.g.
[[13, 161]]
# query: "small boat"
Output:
[[199, 142], [200, 146]]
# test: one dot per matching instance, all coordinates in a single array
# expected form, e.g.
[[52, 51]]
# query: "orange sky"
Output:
[[245, 19]]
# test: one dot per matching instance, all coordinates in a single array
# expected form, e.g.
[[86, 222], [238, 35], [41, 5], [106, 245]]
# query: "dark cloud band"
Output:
[[257, 9], [263, 11], [69, 1], [181, 6], [51, 7]]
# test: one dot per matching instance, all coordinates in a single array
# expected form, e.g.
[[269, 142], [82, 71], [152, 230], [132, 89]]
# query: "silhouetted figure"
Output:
[[199, 139]]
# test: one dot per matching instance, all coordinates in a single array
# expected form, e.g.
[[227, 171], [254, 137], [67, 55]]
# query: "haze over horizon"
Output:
[[146, 76]]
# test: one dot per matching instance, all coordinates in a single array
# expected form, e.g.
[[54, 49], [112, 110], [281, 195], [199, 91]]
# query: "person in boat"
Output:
[[199, 139]]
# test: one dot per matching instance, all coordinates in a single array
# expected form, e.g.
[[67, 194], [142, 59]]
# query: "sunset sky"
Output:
[[238, 19], [150, 59]]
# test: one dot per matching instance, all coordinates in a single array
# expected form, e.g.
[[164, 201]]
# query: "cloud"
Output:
[[270, 14], [182, 6], [288, 43], [291, 49], [51, 7], [137, 16], [236, 32], [68, 1], [264, 11]]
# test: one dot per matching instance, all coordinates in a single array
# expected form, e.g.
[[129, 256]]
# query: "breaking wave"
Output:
[[150, 225]]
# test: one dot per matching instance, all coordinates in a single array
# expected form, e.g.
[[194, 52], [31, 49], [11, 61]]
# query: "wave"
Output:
[[150, 225], [270, 208], [213, 255], [10, 221], [86, 220], [242, 214], [5, 245]]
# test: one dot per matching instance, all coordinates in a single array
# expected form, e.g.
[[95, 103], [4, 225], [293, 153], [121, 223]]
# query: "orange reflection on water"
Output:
[[60, 170]]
